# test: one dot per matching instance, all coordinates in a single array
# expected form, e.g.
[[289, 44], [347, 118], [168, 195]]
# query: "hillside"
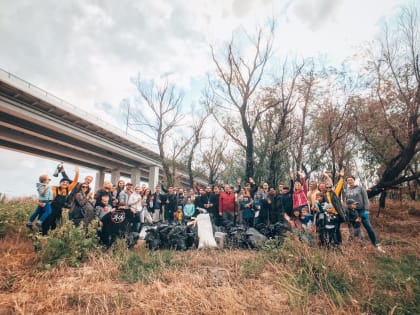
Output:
[[291, 278]]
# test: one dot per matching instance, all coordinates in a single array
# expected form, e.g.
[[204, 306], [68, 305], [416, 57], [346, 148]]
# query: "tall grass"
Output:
[[283, 278]]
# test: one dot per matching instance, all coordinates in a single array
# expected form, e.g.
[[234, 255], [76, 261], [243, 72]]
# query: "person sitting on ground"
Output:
[[45, 195]]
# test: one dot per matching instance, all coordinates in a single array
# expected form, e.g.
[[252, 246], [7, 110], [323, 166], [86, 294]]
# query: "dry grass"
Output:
[[199, 282]]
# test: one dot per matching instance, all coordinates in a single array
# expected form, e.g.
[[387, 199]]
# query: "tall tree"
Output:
[[213, 157], [236, 106], [156, 115], [392, 137], [196, 138], [277, 122]]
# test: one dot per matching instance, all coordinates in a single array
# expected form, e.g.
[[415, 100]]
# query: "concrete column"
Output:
[[135, 176], [115, 176], [99, 180], [153, 177]]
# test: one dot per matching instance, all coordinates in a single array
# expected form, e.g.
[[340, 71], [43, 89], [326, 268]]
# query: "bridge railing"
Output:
[[55, 100]]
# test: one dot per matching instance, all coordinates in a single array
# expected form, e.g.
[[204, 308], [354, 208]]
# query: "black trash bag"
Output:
[[132, 239], [236, 237], [255, 239], [264, 229], [164, 230], [153, 239], [281, 228], [177, 237]]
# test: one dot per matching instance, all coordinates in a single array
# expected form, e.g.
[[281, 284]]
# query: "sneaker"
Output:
[[39, 224], [380, 249]]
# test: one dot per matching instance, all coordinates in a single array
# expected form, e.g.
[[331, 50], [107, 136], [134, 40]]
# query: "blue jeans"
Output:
[[43, 211], [368, 226]]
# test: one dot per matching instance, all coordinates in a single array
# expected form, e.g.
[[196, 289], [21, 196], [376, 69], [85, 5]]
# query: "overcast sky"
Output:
[[85, 52]]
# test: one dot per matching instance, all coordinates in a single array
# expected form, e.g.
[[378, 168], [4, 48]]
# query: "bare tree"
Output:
[[392, 137], [331, 125], [236, 106], [276, 123], [213, 157], [156, 114], [196, 138]]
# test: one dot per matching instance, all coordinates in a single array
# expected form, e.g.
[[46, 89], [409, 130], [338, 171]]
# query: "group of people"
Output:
[[315, 214]]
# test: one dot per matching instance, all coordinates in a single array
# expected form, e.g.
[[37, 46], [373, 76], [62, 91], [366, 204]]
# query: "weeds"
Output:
[[66, 244], [252, 268], [284, 277], [13, 215], [397, 283], [139, 266]]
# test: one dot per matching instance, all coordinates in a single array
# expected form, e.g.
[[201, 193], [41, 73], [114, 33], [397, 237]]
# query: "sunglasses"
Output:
[[329, 187], [84, 186]]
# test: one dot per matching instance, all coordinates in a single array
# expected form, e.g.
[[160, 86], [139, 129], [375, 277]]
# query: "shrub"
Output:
[[66, 244], [13, 215]]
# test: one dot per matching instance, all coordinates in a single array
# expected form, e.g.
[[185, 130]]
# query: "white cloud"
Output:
[[86, 51]]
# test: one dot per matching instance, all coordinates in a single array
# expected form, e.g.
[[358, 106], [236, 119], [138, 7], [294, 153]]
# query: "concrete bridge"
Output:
[[36, 122]]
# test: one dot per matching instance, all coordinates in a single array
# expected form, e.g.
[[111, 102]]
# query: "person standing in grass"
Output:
[[354, 221], [227, 206], [359, 195]]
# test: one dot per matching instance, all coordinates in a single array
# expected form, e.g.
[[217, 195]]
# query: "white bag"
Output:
[[205, 232]]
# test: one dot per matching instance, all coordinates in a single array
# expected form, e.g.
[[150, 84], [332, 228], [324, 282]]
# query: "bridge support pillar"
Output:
[[100, 178], [153, 177], [135, 177], [115, 176]]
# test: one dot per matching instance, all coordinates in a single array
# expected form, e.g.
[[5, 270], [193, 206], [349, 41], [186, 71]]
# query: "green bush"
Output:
[[13, 216], [66, 244]]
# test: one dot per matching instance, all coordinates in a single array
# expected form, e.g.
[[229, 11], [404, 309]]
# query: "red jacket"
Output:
[[299, 196], [226, 202]]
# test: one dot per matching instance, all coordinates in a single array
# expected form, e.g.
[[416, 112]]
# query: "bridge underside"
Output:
[[36, 122]]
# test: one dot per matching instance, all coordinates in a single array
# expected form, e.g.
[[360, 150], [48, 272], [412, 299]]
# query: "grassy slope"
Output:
[[294, 280]]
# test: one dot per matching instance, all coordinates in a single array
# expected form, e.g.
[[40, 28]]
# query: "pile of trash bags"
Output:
[[202, 234]]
